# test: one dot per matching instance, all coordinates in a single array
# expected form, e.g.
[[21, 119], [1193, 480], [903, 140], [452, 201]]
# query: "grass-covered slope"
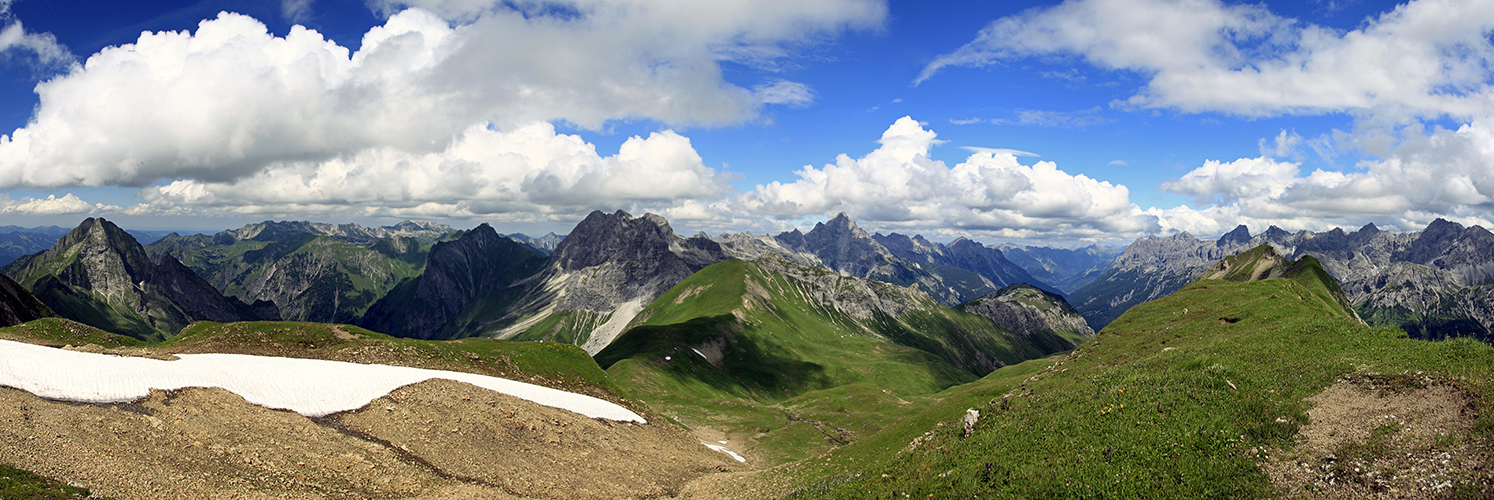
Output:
[[1188, 396], [789, 360], [58, 332]]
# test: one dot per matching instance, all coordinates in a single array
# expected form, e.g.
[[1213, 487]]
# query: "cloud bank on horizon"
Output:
[[449, 110]]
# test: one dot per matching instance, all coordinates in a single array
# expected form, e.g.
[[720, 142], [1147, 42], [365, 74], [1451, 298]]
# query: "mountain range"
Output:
[[99, 275], [586, 288], [1434, 283], [861, 364]]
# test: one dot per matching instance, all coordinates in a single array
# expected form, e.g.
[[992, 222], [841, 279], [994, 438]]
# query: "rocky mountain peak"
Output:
[[617, 237], [793, 240], [1239, 236], [1274, 233], [1369, 229]]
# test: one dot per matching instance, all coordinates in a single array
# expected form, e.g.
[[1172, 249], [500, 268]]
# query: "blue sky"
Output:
[[1031, 122]]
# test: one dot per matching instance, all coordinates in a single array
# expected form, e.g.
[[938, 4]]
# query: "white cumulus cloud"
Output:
[[897, 184], [485, 171], [68, 204], [231, 101], [1444, 173], [1424, 58]]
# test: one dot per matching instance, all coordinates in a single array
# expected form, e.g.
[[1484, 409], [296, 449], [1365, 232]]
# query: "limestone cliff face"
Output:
[[1030, 312], [456, 274], [601, 275], [99, 275]]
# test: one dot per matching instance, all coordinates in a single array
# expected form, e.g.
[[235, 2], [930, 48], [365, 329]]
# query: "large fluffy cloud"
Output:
[[232, 102], [530, 169], [898, 185], [1447, 173], [1425, 58], [68, 204]]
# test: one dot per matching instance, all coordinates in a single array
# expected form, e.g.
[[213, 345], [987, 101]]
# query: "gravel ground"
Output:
[[435, 439]]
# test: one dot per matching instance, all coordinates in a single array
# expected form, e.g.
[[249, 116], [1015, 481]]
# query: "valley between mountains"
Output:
[[830, 363]]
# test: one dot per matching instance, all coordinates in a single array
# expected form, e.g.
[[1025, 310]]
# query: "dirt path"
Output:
[[1378, 436]]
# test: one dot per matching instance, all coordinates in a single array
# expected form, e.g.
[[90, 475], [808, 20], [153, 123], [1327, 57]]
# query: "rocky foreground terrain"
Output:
[[434, 439]]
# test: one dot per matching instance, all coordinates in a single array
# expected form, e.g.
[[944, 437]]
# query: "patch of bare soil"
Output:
[[1386, 436], [435, 439]]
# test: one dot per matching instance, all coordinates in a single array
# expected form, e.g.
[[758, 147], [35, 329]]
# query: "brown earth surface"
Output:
[[431, 440], [1386, 436]]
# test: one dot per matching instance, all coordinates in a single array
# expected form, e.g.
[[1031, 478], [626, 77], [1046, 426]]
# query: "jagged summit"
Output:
[[280, 230], [99, 275], [1239, 236]]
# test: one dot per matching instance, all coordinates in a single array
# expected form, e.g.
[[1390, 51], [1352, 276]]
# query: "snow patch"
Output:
[[723, 449], [311, 387]]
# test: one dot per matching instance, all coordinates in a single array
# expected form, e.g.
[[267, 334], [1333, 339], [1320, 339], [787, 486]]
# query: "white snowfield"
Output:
[[311, 387]]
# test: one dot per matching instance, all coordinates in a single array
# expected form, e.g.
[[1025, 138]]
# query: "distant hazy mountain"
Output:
[[99, 275], [962, 271], [310, 271], [1432, 283], [424, 231], [1065, 268], [456, 273], [545, 244]]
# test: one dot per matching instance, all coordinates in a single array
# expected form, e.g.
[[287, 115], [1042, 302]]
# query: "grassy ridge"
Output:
[[1180, 397], [757, 355]]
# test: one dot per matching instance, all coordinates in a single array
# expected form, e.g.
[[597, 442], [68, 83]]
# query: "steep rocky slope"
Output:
[[99, 275], [605, 270], [456, 273], [1040, 316], [1148, 269]]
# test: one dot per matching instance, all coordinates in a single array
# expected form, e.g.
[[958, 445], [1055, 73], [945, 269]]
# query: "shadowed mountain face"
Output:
[[17, 305], [1432, 283], [310, 271], [99, 275], [456, 273]]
